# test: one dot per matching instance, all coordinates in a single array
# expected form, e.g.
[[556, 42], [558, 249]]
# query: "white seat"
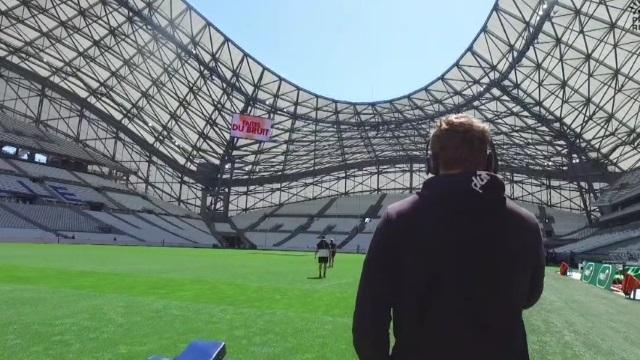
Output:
[[171, 208], [183, 229], [306, 241], [98, 181], [223, 227], [9, 220], [265, 240], [132, 202], [340, 224], [37, 170], [287, 223], [352, 205], [78, 194], [56, 218], [12, 184], [310, 207], [243, 221], [360, 243]]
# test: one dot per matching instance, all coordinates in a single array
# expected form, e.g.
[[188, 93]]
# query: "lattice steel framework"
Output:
[[152, 84]]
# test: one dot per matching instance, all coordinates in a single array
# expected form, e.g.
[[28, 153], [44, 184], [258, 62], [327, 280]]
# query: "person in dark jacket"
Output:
[[323, 252], [453, 266]]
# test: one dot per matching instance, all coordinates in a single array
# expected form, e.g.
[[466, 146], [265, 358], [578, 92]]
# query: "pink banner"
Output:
[[250, 127]]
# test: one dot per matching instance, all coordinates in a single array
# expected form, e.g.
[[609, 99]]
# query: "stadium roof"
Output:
[[155, 84]]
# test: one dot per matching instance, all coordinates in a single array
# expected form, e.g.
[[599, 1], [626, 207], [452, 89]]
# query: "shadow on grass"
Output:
[[314, 278]]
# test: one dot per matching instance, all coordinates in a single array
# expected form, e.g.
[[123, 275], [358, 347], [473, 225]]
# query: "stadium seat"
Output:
[[311, 207], [132, 202], [286, 223], [265, 240], [352, 205]]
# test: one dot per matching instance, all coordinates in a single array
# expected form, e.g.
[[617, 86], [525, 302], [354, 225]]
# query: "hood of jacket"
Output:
[[468, 189]]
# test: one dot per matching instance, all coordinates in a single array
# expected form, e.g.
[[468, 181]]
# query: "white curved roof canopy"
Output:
[[152, 84]]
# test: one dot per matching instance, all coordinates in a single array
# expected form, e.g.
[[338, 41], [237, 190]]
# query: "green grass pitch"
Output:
[[82, 302]]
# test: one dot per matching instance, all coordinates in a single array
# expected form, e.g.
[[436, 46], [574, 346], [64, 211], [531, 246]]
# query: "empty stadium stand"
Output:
[[337, 225], [8, 220], [78, 194], [282, 223], [265, 240], [352, 222], [307, 241], [627, 186], [602, 239], [311, 207], [246, 220], [132, 202], [565, 222], [56, 217], [49, 204], [100, 181], [43, 171], [353, 205], [359, 244], [170, 208], [25, 135], [15, 185]]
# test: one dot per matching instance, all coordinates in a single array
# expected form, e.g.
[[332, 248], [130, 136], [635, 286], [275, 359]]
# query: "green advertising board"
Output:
[[597, 274], [633, 270]]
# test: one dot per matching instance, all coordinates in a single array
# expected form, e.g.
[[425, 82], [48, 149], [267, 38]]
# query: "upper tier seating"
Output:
[[565, 221], [625, 211], [78, 194], [26, 135], [170, 208], [341, 224], [243, 221], [352, 205], [4, 165], [100, 182], [56, 218], [133, 202], [634, 246], [625, 187], [287, 223], [265, 240], [15, 126], [37, 170], [602, 239], [311, 207], [11, 184]]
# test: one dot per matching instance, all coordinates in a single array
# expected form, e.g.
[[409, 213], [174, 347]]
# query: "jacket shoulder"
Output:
[[521, 216], [401, 207]]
